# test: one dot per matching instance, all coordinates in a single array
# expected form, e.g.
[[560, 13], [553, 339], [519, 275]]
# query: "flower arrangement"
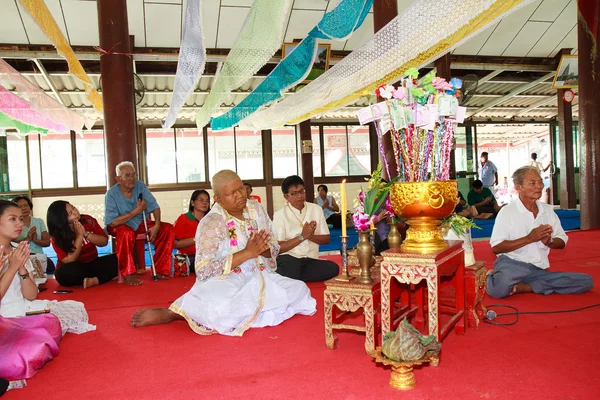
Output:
[[368, 202], [459, 224], [421, 116]]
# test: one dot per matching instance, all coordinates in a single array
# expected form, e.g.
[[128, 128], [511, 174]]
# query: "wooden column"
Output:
[[267, 149], [383, 12], [565, 147], [117, 86], [307, 161], [588, 33], [442, 66]]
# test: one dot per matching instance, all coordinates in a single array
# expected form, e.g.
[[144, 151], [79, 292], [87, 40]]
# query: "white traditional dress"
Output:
[[72, 314], [230, 300]]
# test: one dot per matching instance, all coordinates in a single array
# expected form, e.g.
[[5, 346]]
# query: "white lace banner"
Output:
[[259, 39], [191, 62], [422, 33]]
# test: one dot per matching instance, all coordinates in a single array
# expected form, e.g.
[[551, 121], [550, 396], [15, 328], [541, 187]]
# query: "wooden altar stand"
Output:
[[410, 268]]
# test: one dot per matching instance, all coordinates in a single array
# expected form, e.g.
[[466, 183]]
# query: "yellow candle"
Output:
[[344, 206]]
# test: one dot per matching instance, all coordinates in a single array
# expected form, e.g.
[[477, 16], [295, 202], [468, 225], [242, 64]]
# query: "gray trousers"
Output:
[[508, 272]]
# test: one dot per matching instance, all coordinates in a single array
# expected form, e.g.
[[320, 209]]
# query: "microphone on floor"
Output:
[[490, 315]]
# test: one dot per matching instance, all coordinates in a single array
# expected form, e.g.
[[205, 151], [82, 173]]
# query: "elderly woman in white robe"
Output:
[[236, 287]]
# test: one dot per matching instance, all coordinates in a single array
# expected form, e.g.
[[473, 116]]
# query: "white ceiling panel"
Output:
[[474, 45], [236, 3], [301, 22], [35, 34], [81, 18], [210, 14], [404, 4], [561, 27], [163, 1], [332, 4], [311, 4], [163, 25], [362, 34], [11, 28], [135, 19], [507, 29], [569, 42], [231, 21], [549, 10], [526, 39]]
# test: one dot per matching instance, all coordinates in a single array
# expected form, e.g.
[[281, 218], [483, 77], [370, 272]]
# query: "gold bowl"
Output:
[[424, 204]]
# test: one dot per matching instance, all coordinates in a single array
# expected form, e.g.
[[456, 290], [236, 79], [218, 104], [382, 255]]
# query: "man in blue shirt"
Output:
[[124, 220], [489, 172]]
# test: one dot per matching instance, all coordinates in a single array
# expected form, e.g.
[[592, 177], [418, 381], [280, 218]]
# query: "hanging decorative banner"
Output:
[[191, 61], [40, 13], [337, 24], [39, 100], [260, 37], [422, 33], [8, 123], [18, 109]]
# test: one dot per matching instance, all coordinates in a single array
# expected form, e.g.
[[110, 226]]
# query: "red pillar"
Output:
[[117, 86], [588, 33], [383, 12]]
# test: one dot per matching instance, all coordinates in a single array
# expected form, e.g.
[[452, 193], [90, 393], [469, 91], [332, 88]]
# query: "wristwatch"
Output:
[[301, 237]]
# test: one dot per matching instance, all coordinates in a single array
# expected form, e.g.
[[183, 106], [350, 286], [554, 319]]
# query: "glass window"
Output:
[[57, 162], [248, 146], [91, 169], [221, 151], [17, 165], [160, 156], [35, 162], [359, 150], [190, 155], [316, 142], [285, 155], [336, 150]]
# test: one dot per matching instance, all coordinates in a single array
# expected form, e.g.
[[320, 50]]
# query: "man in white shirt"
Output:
[[524, 232], [300, 228], [489, 173]]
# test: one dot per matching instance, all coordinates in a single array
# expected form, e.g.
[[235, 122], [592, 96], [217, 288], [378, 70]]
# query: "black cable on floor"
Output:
[[491, 315]]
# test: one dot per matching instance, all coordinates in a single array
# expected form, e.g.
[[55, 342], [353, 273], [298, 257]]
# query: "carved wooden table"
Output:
[[411, 268], [349, 297], [475, 284]]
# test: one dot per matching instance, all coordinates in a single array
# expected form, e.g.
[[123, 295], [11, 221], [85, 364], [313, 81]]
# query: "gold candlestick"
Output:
[[344, 277]]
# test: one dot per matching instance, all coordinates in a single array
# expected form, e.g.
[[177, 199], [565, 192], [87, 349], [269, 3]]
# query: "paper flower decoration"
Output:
[[441, 84], [385, 91]]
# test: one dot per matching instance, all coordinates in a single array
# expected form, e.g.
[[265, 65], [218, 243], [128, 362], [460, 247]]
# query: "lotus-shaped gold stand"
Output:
[[424, 204], [402, 376]]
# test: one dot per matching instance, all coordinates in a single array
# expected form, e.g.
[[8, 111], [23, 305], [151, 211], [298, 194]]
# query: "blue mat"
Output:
[[569, 220]]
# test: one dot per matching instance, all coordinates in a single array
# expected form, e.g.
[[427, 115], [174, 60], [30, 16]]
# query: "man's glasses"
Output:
[[296, 194], [129, 176]]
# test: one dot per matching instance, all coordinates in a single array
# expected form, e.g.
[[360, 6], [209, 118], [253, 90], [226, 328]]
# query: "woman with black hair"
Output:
[[74, 237], [186, 225], [34, 231]]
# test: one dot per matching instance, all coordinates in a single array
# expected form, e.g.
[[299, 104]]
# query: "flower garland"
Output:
[[233, 241]]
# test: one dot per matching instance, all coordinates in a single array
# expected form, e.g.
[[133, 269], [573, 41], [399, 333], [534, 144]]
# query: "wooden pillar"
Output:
[[442, 66], [267, 149], [117, 86], [307, 161], [588, 33], [565, 147], [383, 12]]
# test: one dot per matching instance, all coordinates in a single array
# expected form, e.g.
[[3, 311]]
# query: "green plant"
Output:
[[459, 224]]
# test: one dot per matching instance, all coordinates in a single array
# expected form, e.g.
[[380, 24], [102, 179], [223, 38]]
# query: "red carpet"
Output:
[[541, 357]]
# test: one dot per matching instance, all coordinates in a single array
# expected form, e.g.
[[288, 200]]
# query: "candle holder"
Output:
[[344, 277]]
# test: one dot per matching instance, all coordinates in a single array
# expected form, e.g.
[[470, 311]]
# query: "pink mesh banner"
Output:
[[38, 99], [17, 108]]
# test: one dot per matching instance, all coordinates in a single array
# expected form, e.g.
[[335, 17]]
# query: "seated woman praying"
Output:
[[74, 238], [18, 291], [329, 206], [236, 287], [186, 225], [34, 231]]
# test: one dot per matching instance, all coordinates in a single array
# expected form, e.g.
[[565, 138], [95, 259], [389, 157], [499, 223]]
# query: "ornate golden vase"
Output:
[[424, 204], [394, 237], [365, 257]]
